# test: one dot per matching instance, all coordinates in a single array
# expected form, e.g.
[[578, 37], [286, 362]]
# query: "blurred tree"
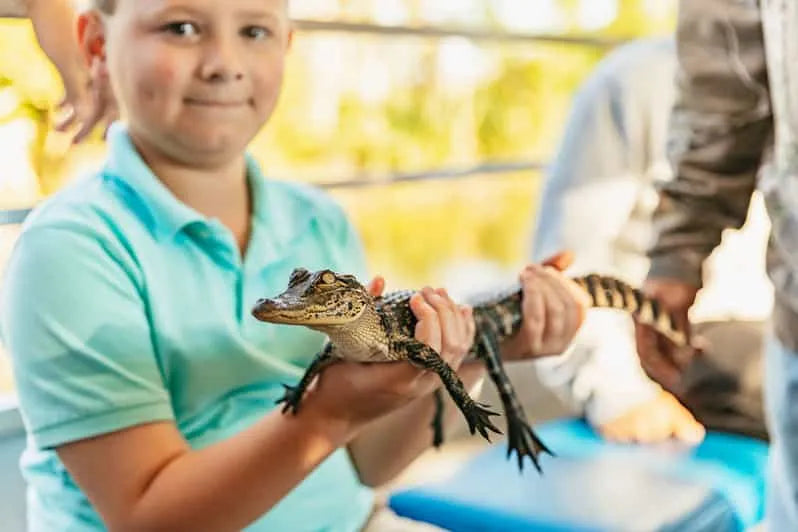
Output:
[[342, 116]]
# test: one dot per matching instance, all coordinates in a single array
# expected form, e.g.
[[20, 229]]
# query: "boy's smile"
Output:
[[196, 79]]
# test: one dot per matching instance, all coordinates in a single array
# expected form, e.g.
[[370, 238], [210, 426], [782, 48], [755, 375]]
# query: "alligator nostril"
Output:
[[264, 303]]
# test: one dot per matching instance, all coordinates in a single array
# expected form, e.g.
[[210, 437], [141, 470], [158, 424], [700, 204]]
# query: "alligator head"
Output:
[[316, 299]]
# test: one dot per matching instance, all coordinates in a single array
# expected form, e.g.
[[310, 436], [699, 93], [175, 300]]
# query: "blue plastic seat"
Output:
[[593, 485]]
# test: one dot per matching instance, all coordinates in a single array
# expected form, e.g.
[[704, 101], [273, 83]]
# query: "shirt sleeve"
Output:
[[76, 327], [720, 129], [600, 375]]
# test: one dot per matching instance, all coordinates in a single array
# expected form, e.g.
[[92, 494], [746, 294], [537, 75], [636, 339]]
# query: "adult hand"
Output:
[[553, 308], [661, 359], [654, 421]]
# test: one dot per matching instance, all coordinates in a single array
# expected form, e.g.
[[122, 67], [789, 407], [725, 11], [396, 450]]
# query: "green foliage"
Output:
[[516, 111]]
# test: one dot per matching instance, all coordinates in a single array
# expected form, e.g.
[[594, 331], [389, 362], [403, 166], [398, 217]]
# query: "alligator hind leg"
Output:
[[521, 438], [293, 394], [423, 356]]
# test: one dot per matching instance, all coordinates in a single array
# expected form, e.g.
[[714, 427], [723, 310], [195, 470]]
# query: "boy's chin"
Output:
[[212, 150]]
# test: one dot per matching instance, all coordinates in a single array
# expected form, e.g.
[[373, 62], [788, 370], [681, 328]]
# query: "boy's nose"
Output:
[[221, 62]]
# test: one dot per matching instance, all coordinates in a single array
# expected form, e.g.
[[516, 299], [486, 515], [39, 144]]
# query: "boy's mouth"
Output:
[[203, 102]]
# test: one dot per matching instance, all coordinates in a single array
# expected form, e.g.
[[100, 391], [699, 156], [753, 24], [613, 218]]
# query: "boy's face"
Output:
[[197, 78]]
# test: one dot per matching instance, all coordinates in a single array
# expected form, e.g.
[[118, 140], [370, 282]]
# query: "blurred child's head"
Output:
[[195, 79]]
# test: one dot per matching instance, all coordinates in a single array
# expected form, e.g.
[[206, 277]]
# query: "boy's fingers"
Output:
[[428, 330], [447, 317], [376, 286]]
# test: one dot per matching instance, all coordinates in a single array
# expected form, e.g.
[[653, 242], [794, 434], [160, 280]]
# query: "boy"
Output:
[[147, 388]]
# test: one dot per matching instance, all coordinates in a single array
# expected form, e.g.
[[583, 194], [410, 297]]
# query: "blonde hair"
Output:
[[107, 7]]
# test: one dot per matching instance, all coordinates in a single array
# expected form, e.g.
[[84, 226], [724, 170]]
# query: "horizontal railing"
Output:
[[16, 216], [12, 216], [476, 34]]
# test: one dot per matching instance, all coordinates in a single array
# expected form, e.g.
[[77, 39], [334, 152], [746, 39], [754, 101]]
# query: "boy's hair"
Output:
[[107, 6]]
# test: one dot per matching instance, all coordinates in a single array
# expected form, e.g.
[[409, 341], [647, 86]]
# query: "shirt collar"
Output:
[[166, 214]]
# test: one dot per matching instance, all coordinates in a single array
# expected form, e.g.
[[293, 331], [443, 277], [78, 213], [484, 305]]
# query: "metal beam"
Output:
[[16, 216], [440, 32], [13, 216], [489, 168]]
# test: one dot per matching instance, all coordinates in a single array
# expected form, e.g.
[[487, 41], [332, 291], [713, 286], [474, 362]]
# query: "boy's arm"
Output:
[[147, 478], [388, 445]]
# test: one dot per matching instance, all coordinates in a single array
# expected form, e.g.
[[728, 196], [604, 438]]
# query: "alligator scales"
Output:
[[381, 329]]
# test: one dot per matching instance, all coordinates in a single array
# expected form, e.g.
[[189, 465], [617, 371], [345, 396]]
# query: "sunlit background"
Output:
[[367, 106]]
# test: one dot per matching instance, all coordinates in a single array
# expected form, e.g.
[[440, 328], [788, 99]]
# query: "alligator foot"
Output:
[[478, 418], [292, 397], [522, 440]]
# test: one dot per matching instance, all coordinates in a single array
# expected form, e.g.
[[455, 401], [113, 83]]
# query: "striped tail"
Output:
[[609, 292]]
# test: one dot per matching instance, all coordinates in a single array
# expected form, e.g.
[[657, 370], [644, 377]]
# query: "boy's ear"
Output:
[[91, 36]]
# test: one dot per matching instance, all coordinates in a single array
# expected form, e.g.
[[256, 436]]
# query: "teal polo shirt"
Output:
[[121, 305]]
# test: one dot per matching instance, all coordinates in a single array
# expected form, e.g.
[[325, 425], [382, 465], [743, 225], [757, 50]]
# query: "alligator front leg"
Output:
[[423, 356], [293, 394], [521, 438]]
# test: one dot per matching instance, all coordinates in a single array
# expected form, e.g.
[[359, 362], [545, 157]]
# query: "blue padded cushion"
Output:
[[593, 485]]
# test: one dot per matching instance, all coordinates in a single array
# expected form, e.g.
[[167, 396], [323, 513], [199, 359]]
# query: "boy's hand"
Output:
[[655, 421], [553, 309], [660, 359], [355, 393]]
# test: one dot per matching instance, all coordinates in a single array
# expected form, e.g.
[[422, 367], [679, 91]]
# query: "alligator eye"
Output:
[[328, 278]]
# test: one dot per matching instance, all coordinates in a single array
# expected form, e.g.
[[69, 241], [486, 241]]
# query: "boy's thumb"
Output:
[[376, 286], [560, 261]]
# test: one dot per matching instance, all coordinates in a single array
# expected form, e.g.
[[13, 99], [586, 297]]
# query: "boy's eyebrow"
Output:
[[190, 8], [257, 14], [158, 11]]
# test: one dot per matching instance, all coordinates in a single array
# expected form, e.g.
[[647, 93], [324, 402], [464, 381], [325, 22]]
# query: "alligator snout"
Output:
[[264, 306]]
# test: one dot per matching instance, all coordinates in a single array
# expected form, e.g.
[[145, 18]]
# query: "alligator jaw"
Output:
[[295, 312]]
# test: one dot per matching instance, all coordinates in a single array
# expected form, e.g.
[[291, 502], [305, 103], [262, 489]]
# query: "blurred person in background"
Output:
[[735, 110], [87, 98], [598, 200]]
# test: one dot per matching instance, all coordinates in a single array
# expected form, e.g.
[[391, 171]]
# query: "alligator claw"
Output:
[[522, 440], [478, 418], [291, 398]]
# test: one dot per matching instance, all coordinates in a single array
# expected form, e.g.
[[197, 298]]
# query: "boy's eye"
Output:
[[184, 29], [256, 32]]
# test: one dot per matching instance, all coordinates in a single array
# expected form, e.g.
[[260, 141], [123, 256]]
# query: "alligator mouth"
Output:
[[294, 313]]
